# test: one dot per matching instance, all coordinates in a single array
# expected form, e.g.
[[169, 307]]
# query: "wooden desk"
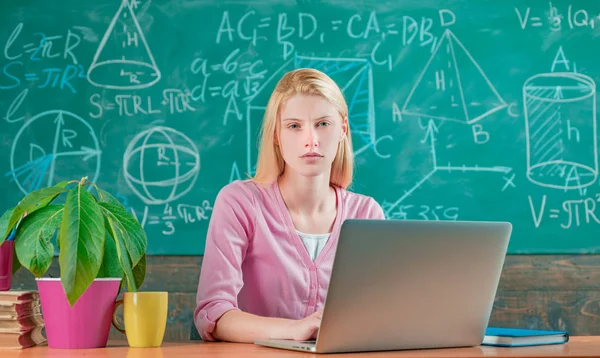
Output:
[[584, 346]]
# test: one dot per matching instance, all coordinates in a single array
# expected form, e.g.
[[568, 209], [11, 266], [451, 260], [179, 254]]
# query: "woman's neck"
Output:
[[306, 195]]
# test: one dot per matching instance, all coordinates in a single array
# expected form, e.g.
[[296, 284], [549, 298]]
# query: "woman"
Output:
[[271, 240]]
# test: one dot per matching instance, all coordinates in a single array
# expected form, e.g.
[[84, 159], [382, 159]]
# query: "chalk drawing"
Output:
[[37, 160], [161, 165], [430, 132], [120, 62], [453, 86], [559, 108]]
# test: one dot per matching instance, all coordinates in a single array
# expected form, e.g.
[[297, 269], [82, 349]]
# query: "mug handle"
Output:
[[114, 317]]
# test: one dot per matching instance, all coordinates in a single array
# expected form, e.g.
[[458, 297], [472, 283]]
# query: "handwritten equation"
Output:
[[304, 26], [572, 213], [41, 46], [183, 214], [40, 49], [556, 18], [128, 105], [239, 78], [422, 212]]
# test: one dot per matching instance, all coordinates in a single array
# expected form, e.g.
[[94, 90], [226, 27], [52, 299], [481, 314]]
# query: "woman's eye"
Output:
[[324, 124], [293, 126]]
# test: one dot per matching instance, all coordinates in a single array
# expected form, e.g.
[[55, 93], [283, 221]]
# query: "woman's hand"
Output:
[[306, 328], [238, 326]]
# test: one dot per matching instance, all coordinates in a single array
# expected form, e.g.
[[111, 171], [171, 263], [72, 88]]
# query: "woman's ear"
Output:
[[344, 128]]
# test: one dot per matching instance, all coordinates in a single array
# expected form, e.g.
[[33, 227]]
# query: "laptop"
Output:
[[409, 284]]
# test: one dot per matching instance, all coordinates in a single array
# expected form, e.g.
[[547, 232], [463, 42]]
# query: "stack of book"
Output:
[[21, 321]]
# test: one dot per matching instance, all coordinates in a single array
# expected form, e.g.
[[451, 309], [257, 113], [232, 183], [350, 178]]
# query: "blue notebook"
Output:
[[514, 337]]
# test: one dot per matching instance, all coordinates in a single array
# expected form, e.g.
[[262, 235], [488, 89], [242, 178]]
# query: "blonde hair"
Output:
[[306, 81]]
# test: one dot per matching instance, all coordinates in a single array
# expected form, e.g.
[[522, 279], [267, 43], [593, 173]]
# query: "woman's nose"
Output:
[[312, 141]]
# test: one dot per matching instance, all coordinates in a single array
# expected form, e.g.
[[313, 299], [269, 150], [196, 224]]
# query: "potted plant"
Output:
[[102, 248]]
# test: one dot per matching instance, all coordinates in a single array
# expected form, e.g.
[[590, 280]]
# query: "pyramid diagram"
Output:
[[123, 59], [453, 86]]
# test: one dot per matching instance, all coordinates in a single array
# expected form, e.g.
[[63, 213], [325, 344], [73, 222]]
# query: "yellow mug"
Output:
[[144, 316]]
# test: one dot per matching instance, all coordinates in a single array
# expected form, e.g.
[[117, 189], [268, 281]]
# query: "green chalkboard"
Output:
[[469, 110]]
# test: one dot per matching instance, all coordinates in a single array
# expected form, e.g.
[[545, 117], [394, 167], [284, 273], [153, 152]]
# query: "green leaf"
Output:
[[139, 272], [16, 263], [136, 242], [62, 184], [118, 233], [111, 267], [82, 238], [32, 202], [107, 197], [33, 247], [4, 223]]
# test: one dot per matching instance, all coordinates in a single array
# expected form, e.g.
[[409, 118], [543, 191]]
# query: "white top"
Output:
[[314, 243]]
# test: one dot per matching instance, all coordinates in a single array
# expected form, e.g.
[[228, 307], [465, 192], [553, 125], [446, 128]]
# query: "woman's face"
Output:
[[310, 130]]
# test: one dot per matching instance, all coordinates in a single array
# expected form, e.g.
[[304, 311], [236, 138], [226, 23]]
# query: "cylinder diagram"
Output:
[[560, 127]]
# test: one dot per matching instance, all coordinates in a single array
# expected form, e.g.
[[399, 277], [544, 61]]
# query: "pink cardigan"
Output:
[[255, 262]]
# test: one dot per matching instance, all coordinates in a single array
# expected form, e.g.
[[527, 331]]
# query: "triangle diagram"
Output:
[[452, 86], [123, 59], [480, 97]]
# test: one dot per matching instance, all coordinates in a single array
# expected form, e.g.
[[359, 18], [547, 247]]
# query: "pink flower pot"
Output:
[[6, 262], [87, 323]]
